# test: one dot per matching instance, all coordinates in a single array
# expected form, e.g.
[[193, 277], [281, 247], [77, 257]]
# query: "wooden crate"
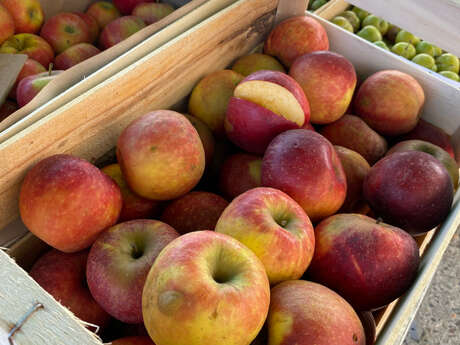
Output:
[[89, 125]]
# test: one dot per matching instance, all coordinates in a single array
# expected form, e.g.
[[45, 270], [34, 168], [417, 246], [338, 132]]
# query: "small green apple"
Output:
[[404, 49], [437, 51], [317, 4], [343, 23], [450, 75], [381, 44], [379, 23], [406, 36], [447, 62], [360, 13], [392, 32], [370, 33], [424, 60], [352, 18]]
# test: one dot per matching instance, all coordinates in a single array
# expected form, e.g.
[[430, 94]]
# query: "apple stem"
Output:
[[50, 68]]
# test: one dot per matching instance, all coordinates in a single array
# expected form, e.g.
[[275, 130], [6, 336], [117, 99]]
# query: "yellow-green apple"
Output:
[[368, 322], [126, 7], [390, 102], [356, 169], [239, 173], [369, 263], [210, 97], [134, 206], [264, 104], [63, 276], [275, 228], [74, 55], [30, 86], [31, 45], [65, 30], [431, 133], [437, 152], [207, 139], [93, 26], [136, 340], [161, 155], [27, 15], [151, 12], [328, 80], [411, 190], [104, 12], [352, 132], [305, 165], [118, 264], [30, 67], [251, 63], [194, 211], [295, 37], [6, 24], [120, 29], [66, 201], [7, 108], [304, 313], [195, 286]]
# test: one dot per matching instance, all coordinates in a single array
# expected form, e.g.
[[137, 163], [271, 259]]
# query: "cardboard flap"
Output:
[[10, 66], [290, 8]]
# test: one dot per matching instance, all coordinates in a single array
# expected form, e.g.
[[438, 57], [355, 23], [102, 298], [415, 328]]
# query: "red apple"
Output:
[[368, 321], [205, 288], [6, 24], [30, 67], [151, 12], [67, 202], [328, 80], [65, 30], [63, 276], [7, 109], [411, 190], [367, 262], [133, 341], [305, 165], [126, 7], [120, 29], [194, 211], [255, 62], [239, 173], [31, 45], [161, 155], [118, 264], [295, 37], [30, 86], [74, 55], [104, 12], [275, 228], [27, 15], [93, 26]]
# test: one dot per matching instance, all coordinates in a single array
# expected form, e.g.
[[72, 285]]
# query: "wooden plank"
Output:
[[331, 9], [435, 21]]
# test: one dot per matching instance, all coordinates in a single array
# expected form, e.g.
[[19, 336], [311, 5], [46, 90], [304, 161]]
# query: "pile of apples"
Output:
[[270, 215], [65, 39]]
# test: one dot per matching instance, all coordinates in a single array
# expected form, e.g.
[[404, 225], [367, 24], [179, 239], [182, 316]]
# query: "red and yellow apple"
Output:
[[27, 15], [91, 23], [74, 55], [6, 24], [126, 7], [30, 86], [104, 12], [151, 12], [119, 30], [255, 62], [30, 67], [31, 45]]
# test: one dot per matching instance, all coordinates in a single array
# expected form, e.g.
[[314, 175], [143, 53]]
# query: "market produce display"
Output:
[[399, 41], [66, 39], [255, 218]]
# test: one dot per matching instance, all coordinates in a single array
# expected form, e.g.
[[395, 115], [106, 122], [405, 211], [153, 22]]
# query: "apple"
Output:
[[207, 139], [63, 276], [304, 313], [126, 7], [405, 36], [151, 12], [209, 98], [91, 23], [367, 262], [370, 33], [379, 23], [263, 105], [450, 75], [328, 80], [437, 152], [305, 165], [27, 15], [74, 55], [316, 4], [31, 45], [7, 108], [352, 18], [425, 60], [362, 14], [30, 67], [136, 340], [30, 86], [381, 44], [118, 264], [295, 37], [356, 169], [66, 202], [405, 50], [390, 102], [392, 32], [239, 173], [447, 62], [194, 211], [205, 288], [161, 155], [352, 132], [275, 228], [411, 190], [119, 30], [104, 12], [343, 23], [251, 63], [6, 24], [134, 206], [423, 47]]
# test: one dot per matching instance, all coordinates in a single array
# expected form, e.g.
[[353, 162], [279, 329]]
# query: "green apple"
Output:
[[450, 75], [352, 18], [447, 62], [424, 60], [437, 51], [317, 4], [406, 36], [360, 13], [343, 23], [393, 30], [379, 23], [404, 49], [381, 44], [425, 48], [370, 33]]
